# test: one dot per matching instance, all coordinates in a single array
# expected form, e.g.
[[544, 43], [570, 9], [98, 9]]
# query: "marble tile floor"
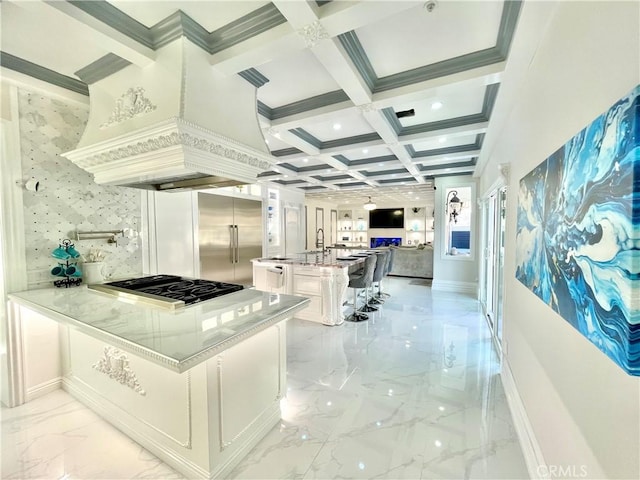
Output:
[[413, 393]]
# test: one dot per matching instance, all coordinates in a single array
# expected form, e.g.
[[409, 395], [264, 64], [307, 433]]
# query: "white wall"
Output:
[[570, 61], [311, 205], [453, 273], [68, 200]]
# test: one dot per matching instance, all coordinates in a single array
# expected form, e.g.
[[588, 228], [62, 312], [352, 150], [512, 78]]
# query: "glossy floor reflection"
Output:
[[412, 393]]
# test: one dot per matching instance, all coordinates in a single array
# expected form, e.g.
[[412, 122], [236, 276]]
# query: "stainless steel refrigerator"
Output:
[[230, 235]]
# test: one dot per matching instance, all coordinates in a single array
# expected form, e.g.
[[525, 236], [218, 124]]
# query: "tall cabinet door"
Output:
[[248, 222], [216, 237]]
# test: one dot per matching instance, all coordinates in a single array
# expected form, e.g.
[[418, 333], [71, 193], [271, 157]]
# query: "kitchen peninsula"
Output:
[[321, 275], [198, 386]]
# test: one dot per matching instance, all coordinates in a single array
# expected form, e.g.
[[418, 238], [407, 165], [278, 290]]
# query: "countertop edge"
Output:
[[178, 366]]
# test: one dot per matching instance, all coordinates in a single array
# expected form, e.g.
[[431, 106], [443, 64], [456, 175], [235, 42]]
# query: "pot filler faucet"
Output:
[[320, 239]]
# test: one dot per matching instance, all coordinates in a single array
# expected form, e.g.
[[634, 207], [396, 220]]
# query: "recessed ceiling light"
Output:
[[442, 139], [409, 193], [286, 176], [328, 170], [305, 160], [381, 164], [337, 126], [267, 142], [365, 150], [436, 105]]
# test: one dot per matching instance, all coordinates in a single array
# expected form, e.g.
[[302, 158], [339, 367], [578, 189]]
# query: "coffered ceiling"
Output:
[[333, 77]]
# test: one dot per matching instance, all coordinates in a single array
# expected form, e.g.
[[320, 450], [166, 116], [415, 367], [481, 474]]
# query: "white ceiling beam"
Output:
[[258, 50], [405, 159], [341, 17], [299, 13], [353, 147], [462, 130], [335, 60], [376, 119], [297, 142], [337, 164], [480, 76], [91, 28], [444, 159], [312, 117]]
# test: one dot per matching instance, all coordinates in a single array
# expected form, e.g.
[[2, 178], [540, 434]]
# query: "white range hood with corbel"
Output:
[[172, 125]]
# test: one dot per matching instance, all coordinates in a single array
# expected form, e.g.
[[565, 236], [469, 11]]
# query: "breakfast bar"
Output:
[[197, 386], [322, 276]]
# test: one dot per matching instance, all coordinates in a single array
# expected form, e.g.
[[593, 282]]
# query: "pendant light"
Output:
[[369, 205]]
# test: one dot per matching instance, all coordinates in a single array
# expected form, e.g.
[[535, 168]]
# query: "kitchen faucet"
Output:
[[320, 239]]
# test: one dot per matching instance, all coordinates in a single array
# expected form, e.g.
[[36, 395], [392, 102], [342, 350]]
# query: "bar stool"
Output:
[[379, 272], [392, 253], [361, 279]]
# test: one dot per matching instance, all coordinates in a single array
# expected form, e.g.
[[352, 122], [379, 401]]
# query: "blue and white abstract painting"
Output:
[[578, 237]]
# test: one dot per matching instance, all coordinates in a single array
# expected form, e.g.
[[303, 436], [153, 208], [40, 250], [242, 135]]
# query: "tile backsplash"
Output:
[[67, 199]]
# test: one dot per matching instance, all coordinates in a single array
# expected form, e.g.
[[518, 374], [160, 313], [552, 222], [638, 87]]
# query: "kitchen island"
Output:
[[198, 386], [322, 276]]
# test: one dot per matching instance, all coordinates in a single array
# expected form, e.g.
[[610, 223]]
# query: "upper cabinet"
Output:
[[352, 228]]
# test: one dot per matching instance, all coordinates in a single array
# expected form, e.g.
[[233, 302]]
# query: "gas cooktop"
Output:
[[170, 291]]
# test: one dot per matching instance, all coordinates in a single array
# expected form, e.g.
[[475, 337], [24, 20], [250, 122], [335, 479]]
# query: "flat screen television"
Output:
[[386, 218]]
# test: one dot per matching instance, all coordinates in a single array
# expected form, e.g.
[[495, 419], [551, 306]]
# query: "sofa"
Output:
[[413, 262]]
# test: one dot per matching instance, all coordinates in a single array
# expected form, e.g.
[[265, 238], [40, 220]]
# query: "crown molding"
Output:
[[255, 78], [308, 104], [102, 68], [41, 73], [116, 19]]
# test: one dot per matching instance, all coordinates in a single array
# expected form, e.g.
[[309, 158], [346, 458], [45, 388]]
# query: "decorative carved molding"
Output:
[[173, 139], [115, 364], [131, 104], [504, 169], [313, 33], [367, 107]]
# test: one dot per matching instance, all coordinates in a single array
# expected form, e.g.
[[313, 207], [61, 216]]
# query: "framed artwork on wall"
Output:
[[578, 232]]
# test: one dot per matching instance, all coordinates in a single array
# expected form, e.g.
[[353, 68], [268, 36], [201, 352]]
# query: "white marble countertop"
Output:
[[334, 258], [177, 340]]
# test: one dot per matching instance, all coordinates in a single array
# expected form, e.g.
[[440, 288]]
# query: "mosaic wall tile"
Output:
[[68, 200]]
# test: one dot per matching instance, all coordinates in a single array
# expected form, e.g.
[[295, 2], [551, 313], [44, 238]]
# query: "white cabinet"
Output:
[[418, 225], [352, 228], [324, 286]]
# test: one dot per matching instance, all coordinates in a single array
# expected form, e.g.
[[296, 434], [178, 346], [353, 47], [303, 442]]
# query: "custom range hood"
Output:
[[174, 124]]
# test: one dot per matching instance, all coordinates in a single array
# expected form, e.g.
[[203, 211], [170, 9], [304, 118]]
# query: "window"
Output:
[[457, 221]]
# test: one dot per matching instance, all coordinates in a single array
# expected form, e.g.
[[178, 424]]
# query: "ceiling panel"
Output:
[[416, 37], [444, 141], [294, 78], [368, 152], [298, 77], [351, 123], [211, 15], [49, 35], [465, 101]]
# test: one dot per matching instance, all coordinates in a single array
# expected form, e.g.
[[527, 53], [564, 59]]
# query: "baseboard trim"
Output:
[[43, 389], [455, 286], [531, 450]]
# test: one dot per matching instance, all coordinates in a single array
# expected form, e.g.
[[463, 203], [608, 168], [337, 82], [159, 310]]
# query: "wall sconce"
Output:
[[453, 206]]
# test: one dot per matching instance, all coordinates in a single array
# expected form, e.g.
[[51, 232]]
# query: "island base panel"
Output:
[[201, 422]]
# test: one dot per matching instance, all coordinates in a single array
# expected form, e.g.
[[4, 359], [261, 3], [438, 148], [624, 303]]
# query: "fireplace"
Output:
[[385, 241]]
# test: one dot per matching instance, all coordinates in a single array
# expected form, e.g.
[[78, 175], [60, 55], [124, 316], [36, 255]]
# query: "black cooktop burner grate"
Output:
[[188, 290]]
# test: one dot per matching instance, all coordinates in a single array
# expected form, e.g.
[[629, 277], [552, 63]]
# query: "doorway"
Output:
[[492, 291]]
